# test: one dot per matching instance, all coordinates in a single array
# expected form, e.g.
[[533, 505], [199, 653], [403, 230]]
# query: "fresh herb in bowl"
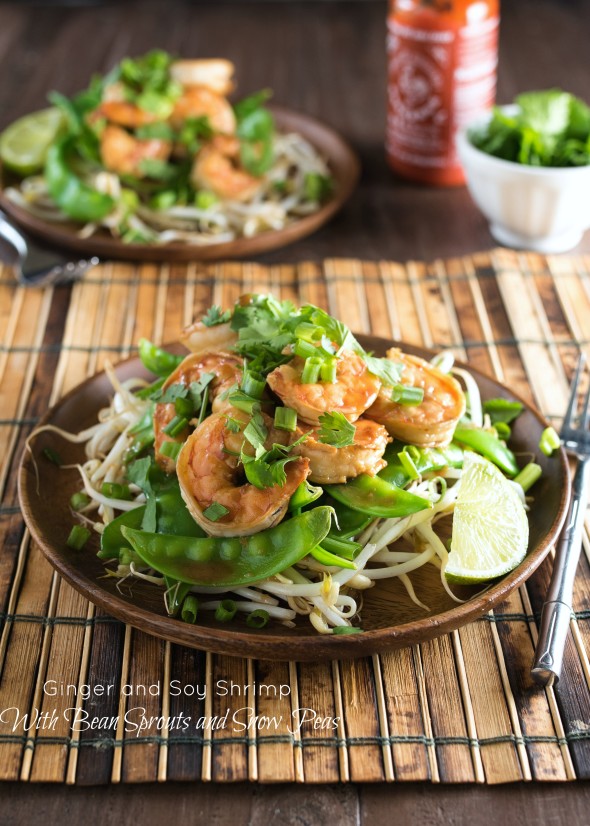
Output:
[[548, 128]]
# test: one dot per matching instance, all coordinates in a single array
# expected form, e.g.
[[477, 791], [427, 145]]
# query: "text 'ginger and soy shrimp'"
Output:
[[430, 423]]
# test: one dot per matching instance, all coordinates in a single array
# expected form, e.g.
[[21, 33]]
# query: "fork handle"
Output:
[[555, 618]]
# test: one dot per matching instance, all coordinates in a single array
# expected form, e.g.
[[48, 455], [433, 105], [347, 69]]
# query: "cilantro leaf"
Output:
[[336, 430], [388, 371], [215, 315], [175, 391]]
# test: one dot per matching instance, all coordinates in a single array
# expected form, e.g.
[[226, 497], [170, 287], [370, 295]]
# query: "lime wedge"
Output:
[[24, 144], [490, 526]]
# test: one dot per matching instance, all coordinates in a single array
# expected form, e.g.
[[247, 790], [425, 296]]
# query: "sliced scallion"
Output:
[[404, 394], [311, 371], [226, 610], [286, 419], [549, 441], [170, 450], [190, 609], [176, 426], [79, 536], [115, 491], [79, 501], [258, 618], [215, 511], [529, 475]]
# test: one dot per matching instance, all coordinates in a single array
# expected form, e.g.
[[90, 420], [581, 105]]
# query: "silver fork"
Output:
[[555, 618], [39, 266]]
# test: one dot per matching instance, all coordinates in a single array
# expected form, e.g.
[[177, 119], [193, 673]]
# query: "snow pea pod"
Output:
[[74, 197], [488, 446], [371, 494], [426, 460], [172, 517], [231, 561], [156, 360], [349, 522]]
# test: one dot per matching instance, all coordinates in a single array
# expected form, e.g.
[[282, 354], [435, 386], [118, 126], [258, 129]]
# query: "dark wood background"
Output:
[[327, 59]]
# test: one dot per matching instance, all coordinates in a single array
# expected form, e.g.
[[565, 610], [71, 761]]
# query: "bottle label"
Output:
[[439, 79]]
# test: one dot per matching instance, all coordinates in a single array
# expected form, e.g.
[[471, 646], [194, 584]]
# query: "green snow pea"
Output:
[[74, 197], [373, 495], [425, 460], [488, 446], [349, 522], [230, 561], [172, 517], [156, 360]]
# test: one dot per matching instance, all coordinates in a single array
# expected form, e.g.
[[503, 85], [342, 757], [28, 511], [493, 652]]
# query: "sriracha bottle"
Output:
[[442, 59]]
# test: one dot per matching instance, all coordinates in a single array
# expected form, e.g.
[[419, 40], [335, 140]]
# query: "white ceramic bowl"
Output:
[[542, 209]]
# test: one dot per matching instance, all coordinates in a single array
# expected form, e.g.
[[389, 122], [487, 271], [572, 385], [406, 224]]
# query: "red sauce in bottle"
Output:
[[442, 58]]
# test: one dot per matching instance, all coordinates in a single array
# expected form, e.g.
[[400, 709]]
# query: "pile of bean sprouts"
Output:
[[327, 595], [223, 221]]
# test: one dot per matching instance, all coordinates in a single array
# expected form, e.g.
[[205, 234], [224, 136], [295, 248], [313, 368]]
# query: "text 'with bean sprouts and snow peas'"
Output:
[[155, 152], [279, 470]]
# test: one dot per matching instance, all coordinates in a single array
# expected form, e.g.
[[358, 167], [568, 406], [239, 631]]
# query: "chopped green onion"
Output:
[[190, 609], [258, 618], [253, 384], [163, 200], [503, 430], [549, 441], [311, 371], [286, 418], [529, 475], [176, 426], [79, 536], [343, 630], [115, 491], [404, 394], [304, 495], [170, 450], [328, 370], [242, 401], [327, 558], [343, 547], [304, 349], [204, 403], [204, 199], [226, 610], [52, 455], [184, 407], [408, 465], [79, 501], [215, 511]]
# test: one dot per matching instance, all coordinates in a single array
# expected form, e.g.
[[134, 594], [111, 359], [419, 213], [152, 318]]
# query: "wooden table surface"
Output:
[[327, 59]]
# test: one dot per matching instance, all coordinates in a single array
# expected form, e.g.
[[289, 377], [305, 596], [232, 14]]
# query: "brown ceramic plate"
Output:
[[344, 166], [389, 619]]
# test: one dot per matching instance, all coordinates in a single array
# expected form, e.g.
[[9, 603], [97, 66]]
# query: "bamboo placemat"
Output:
[[461, 708]]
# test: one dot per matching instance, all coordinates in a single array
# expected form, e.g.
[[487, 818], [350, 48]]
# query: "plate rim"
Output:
[[107, 247], [253, 643]]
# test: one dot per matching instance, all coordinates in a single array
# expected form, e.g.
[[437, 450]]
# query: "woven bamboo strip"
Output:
[[446, 710], [383, 721], [165, 713], [21, 662], [188, 682], [74, 750], [63, 668], [207, 764], [360, 701], [340, 719], [230, 694], [404, 714], [144, 707], [500, 760], [295, 706], [320, 751], [544, 757], [275, 757]]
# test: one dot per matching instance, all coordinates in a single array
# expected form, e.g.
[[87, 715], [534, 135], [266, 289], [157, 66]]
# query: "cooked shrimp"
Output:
[[430, 423], [330, 465], [201, 102], [123, 154], [354, 390], [117, 109], [216, 74], [209, 471], [227, 370], [199, 338], [216, 167]]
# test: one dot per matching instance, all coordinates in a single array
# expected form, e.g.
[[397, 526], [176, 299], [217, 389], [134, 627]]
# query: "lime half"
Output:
[[490, 526], [24, 144]]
